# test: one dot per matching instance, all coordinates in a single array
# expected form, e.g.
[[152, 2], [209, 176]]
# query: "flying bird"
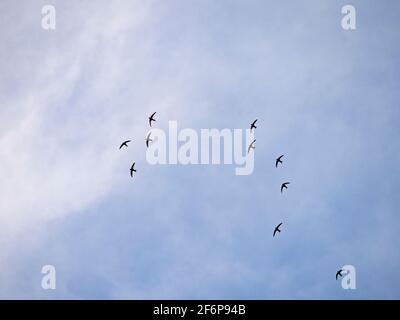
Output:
[[148, 139], [133, 169], [253, 125], [284, 185], [277, 229], [251, 146], [278, 160], [125, 144], [339, 273], [151, 118]]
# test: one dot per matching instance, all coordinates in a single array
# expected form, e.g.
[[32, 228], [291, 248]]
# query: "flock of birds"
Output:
[[253, 126], [284, 185], [148, 140], [277, 162]]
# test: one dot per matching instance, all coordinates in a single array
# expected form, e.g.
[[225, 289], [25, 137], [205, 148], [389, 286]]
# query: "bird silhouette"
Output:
[[251, 146], [151, 118], [148, 139], [339, 273], [124, 144], [253, 125], [277, 229], [278, 160], [284, 185], [133, 169]]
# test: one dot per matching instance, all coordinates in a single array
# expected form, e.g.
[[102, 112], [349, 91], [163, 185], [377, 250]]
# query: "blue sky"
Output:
[[326, 98]]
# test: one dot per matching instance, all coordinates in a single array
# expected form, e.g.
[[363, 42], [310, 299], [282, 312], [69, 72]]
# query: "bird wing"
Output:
[[151, 118], [277, 228], [124, 143], [148, 139], [251, 146]]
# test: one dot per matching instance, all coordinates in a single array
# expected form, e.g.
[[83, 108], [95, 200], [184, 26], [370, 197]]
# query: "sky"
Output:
[[325, 97]]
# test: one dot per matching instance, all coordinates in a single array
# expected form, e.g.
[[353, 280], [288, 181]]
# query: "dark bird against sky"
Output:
[[124, 144], [251, 146], [277, 229], [151, 118], [133, 169], [148, 139], [253, 125], [339, 273], [278, 160], [284, 185]]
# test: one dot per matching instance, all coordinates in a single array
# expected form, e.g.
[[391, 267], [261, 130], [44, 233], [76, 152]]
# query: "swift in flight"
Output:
[[124, 144], [251, 146], [277, 229], [151, 118], [133, 169], [284, 185], [278, 160]]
